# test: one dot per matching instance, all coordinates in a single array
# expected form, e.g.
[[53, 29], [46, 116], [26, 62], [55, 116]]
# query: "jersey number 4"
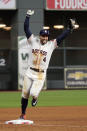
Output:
[[44, 59]]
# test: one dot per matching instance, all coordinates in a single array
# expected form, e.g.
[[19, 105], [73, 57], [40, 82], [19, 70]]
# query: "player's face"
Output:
[[43, 39]]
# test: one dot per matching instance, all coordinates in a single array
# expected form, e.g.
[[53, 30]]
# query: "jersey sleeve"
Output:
[[30, 39], [54, 44]]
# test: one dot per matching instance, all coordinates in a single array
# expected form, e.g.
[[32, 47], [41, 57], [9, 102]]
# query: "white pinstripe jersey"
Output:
[[39, 55]]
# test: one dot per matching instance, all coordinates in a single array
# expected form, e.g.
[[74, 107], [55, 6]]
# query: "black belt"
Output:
[[37, 70]]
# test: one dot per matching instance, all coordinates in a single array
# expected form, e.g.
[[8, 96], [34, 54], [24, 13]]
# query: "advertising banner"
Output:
[[66, 4], [7, 4], [75, 78]]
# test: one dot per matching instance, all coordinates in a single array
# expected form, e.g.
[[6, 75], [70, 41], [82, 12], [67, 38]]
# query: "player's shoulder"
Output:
[[36, 38], [51, 41]]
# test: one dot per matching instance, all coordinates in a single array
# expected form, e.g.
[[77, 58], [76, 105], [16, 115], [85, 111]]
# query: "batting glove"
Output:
[[30, 12], [71, 24]]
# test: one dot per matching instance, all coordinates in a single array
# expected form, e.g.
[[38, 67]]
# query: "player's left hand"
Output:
[[72, 23]]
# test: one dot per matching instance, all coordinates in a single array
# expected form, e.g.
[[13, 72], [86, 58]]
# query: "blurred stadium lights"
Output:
[[7, 28], [76, 26], [2, 25], [46, 27], [58, 26], [62, 26]]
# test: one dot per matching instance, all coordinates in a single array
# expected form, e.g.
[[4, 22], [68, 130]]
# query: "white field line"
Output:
[[50, 125], [47, 125]]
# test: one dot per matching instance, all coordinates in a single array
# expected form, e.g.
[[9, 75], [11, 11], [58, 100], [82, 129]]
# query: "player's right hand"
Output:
[[30, 12]]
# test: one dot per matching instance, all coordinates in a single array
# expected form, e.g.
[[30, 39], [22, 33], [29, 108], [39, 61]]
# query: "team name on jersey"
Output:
[[39, 51]]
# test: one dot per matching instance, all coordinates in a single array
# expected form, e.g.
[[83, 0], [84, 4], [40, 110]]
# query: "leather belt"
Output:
[[37, 70]]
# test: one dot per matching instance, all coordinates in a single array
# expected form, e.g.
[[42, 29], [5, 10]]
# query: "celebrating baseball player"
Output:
[[39, 57]]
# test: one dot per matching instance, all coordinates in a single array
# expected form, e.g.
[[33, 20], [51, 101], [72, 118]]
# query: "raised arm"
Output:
[[26, 23], [70, 28]]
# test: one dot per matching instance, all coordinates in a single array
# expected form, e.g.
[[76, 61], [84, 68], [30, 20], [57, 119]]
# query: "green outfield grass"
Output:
[[47, 98]]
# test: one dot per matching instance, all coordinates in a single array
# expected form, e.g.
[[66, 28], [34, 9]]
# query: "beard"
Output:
[[44, 42]]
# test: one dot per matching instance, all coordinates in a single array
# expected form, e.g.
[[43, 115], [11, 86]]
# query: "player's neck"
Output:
[[43, 43]]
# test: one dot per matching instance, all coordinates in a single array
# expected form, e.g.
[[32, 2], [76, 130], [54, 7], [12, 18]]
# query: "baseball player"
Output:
[[39, 57]]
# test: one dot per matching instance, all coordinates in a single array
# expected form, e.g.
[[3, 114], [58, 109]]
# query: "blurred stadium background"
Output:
[[68, 65]]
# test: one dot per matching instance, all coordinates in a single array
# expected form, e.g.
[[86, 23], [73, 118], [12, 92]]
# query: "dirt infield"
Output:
[[47, 119]]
